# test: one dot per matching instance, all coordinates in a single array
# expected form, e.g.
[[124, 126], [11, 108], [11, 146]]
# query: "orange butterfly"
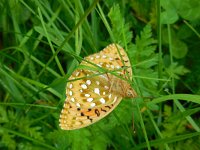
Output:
[[95, 95]]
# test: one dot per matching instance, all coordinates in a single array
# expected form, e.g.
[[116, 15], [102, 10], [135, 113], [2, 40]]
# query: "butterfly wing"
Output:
[[89, 97], [112, 57], [88, 100]]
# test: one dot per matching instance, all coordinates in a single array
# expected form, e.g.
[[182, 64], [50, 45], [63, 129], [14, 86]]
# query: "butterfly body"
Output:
[[95, 95]]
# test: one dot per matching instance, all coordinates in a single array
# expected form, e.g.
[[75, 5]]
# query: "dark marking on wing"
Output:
[[108, 107], [88, 117], [103, 110], [82, 95], [97, 112], [84, 100], [82, 114]]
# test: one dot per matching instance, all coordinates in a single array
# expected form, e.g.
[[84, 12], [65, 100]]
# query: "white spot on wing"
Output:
[[115, 99], [111, 58], [118, 67], [64, 105], [107, 65], [97, 56], [92, 104], [87, 95], [106, 87], [104, 56], [88, 82], [70, 93], [90, 99], [81, 90], [78, 105], [102, 100], [70, 86], [84, 86], [77, 74], [91, 58], [97, 82], [103, 76], [110, 95], [72, 99], [97, 91]]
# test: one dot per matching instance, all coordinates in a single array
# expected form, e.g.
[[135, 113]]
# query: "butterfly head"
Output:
[[125, 89], [131, 93]]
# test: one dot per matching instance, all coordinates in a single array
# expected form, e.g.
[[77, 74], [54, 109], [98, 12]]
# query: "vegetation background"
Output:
[[41, 43]]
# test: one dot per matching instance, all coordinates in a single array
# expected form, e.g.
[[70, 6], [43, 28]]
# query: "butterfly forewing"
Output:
[[91, 96], [112, 57]]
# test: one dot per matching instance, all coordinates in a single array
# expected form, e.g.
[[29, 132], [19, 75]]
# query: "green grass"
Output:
[[43, 42]]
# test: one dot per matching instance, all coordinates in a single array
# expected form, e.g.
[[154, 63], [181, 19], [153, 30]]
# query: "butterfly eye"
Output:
[[129, 93]]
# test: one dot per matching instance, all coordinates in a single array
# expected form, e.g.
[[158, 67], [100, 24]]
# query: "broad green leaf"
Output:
[[169, 17]]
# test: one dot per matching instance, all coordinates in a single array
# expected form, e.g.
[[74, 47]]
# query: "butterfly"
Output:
[[92, 94]]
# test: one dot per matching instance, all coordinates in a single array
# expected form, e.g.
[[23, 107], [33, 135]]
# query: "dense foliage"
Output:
[[42, 42]]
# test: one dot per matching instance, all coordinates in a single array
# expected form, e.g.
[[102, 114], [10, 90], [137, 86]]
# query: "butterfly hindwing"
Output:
[[88, 100]]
